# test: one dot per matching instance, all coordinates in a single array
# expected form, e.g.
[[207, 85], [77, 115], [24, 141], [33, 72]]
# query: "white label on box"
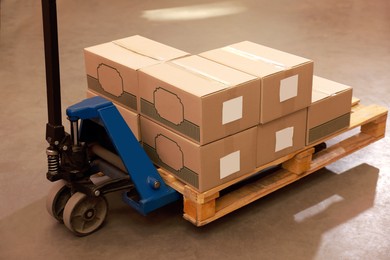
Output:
[[232, 110], [284, 138], [229, 164], [288, 88]]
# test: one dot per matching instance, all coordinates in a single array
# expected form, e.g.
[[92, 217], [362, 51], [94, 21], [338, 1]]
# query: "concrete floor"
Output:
[[341, 212]]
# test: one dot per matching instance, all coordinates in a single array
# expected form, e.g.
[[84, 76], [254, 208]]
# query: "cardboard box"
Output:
[[281, 137], [285, 79], [131, 118], [112, 67], [199, 99], [202, 167], [330, 110]]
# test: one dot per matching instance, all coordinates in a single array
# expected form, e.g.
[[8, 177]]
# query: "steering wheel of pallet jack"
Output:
[[57, 198], [84, 214]]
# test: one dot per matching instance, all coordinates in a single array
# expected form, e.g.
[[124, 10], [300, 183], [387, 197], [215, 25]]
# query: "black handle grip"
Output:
[[54, 129]]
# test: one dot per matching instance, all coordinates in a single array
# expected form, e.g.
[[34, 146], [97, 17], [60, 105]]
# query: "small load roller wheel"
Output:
[[84, 214], [57, 198], [319, 147]]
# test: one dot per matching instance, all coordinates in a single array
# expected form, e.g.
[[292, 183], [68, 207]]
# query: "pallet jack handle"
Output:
[[54, 129]]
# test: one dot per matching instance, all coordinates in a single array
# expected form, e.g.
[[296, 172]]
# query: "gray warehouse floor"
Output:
[[340, 212]]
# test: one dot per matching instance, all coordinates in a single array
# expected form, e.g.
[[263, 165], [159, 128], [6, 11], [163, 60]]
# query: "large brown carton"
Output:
[[330, 110], [202, 167], [112, 67], [199, 99], [281, 137], [131, 118], [285, 79]]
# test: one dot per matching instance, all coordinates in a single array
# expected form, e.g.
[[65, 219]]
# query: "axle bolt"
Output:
[[156, 185]]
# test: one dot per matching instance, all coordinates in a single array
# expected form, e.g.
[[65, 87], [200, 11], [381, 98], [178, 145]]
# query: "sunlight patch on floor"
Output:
[[194, 12]]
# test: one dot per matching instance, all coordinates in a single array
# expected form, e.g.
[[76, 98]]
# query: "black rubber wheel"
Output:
[[57, 198], [83, 214]]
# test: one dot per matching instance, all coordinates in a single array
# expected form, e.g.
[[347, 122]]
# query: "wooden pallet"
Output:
[[203, 208]]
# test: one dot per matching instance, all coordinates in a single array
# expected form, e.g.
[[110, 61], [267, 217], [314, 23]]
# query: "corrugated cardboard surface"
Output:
[[150, 48], [199, 99], [330, 108], [202, 167], [329, 101], [269, 55], [330, 127], [285, 79], [281, 137], [131, 118], [112, 67]]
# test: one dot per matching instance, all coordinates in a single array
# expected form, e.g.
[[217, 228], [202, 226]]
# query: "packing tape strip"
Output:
[[254, 57], [122, 45], [201, 73]]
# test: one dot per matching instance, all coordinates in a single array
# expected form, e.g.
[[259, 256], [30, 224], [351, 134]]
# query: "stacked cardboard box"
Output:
[[198, 119], [201, 166], [212, 117], [112, 72], [199, 99], [112, 67], [330, 110], [285, 83]]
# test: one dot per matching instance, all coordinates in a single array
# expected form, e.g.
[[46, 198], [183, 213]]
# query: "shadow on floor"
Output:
[[292, 220]]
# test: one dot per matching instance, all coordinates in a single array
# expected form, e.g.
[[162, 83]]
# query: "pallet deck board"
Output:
[[203, 208]]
